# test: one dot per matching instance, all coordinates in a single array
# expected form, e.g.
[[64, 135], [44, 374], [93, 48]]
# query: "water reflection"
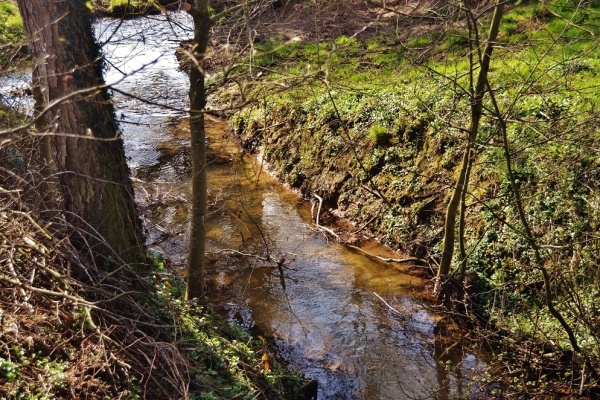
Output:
[[15, 91], [151, 89], [333, 319]]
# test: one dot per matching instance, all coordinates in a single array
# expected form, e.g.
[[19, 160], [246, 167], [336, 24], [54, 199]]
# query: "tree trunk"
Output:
[[45, 144], [462, 223], [196, 260], [462, 182], [86, 150]]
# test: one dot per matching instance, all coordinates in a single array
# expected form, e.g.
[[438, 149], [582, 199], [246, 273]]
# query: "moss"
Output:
[[11, 25], [379, 135]]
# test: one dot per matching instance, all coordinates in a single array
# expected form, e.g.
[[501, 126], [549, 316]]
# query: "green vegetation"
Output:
[[227, 362], [12, 36], [377, 129], [129, 6], [11, 26]]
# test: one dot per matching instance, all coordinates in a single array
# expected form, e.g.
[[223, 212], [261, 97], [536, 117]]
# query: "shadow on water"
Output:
[[337, 316]]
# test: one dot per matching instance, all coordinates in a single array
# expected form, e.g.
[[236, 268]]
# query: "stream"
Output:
[[329, 312]]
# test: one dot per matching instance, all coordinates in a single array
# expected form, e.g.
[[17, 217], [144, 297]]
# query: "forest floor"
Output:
[[327, 21]]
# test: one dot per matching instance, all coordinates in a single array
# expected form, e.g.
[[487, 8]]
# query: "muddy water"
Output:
[[331, 313]]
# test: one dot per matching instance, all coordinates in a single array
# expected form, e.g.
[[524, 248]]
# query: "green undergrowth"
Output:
[[174, 350], [12, 36], [11, 26], [228, 363], [377, 128]]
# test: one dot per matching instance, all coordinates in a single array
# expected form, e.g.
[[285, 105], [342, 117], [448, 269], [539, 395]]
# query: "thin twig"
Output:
[[390, 307]]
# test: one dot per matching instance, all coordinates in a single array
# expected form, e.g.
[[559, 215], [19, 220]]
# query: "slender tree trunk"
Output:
[[462, 223], [462, 181], [197, 245], [86, 151]]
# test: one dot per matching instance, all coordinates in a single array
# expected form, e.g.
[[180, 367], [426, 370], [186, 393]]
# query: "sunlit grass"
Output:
[[11, 25]]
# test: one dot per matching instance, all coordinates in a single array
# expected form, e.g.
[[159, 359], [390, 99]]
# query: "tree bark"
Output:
[[85, 147], [462, 181], [197, 245]]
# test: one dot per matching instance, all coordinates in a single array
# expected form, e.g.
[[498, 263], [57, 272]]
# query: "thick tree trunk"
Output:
[[86, 150], [196, 260], [462, 181]]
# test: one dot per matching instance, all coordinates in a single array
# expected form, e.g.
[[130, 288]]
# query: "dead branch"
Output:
[[394, 260], [320, 227]]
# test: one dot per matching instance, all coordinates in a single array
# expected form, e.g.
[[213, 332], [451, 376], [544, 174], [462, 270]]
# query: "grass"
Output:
[[129, 8], [11, 26], [11, 34]]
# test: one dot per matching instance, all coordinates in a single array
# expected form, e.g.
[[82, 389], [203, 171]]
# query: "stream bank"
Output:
[[376, 127], [370, 179]]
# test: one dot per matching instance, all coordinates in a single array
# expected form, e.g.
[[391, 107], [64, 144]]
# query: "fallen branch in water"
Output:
[[320, 227], [402, 260], [281, 263], [448, 349], [395, 260], [331, 232], [240, 253]]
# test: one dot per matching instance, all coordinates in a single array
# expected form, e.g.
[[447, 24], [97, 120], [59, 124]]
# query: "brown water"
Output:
[[324, 311]]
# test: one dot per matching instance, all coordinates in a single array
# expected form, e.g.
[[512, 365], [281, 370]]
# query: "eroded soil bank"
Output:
[[374, 184], [375, 155]]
